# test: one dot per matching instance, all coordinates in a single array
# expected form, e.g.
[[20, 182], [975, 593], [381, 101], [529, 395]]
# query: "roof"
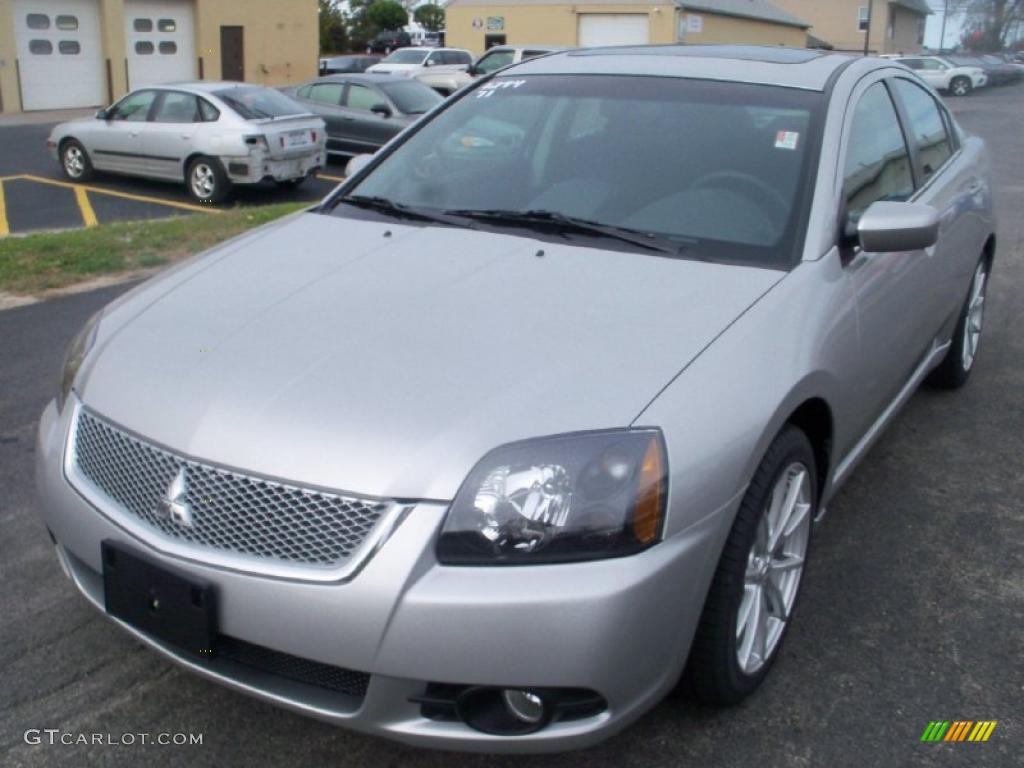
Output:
[[762, 10], [917, 6], [767, 65]]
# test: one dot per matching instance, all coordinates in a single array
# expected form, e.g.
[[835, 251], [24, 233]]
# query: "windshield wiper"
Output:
[[556, 220], [398, 210]]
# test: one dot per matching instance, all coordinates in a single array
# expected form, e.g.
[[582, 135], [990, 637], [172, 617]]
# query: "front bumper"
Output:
[[258, 166], [620, 627]]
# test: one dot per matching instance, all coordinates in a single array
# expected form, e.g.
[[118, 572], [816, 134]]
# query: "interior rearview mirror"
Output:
[[381, 109], [356, 164], [887, 226]]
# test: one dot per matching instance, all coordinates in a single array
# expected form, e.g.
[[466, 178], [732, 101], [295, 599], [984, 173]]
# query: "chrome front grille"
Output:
[[227, 512]]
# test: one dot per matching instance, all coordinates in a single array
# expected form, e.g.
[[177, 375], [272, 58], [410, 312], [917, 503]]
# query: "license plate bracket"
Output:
[[173, 608]]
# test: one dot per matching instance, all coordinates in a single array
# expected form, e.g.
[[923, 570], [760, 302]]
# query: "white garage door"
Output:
[[60, 60], [613, 29], [159, 40]]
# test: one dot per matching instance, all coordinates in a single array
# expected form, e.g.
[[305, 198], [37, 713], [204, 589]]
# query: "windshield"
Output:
[[254, 102], [412, 98], [406, 56], [717, 167]]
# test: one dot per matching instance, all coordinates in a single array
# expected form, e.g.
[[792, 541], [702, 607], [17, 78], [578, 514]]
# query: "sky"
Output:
[[933, 29]]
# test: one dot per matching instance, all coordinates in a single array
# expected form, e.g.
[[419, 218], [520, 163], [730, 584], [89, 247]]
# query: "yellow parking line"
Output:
[[4, 227], [330, 178], [124, 195], [88, 214]]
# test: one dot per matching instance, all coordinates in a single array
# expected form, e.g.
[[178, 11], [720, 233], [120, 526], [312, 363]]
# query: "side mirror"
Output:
[[102, 114], [356, 164], [886, 227], [381, 109], [428, 63], [472, 70]]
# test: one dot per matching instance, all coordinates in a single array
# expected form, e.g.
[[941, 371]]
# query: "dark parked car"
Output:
[[363, 112], [347, 65], [999, 72], [388, 41]]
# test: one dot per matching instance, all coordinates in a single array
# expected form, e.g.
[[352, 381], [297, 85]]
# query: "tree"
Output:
[[333, 29], [387, 14], [990, 25], [430, 17]]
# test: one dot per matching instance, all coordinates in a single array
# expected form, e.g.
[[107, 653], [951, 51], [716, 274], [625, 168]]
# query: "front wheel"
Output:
[[751, 599], [206, 180], [956, 367], [961, 86], [75, 161]]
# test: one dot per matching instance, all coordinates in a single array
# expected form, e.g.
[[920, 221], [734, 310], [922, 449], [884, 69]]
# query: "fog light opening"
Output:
[[504, 711], [525, 706]]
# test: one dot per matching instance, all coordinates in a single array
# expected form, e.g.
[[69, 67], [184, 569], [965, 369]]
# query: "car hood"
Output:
[[386, 359], [382, 67]]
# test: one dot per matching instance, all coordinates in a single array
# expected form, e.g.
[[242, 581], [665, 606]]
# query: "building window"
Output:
[[67, 23], [862, 18], [168, 47], [144, 48], [69, 47], [40, 47], [167, 25], [37, 21], [143, 25]]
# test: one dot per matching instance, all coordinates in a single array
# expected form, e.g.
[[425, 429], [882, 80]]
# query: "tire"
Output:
[[74, 161], [961, 86], [727, 662], [955, 368], [206, 181]]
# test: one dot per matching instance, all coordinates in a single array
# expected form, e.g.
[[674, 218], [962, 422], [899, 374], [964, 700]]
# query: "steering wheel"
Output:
[[736, 180]]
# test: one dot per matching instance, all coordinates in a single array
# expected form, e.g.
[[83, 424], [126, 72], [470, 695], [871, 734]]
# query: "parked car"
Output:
[[494, 59], [535, 411], [346, 65], [389, 40], [363, 112], [944, 74], [998, 72], [1005, 72], [412, 62], [210, 135], [425, 39]]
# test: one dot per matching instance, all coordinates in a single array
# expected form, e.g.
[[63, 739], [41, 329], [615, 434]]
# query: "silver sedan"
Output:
[[209, 135], [534, 414]]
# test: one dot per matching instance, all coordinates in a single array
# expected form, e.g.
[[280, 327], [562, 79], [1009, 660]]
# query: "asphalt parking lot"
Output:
[[35, 195], [913, 607]]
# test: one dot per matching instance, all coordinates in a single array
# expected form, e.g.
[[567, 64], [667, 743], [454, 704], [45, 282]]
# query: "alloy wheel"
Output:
[[204, 182], [975, 317], [960, 88], [74, 161], [774, 567]]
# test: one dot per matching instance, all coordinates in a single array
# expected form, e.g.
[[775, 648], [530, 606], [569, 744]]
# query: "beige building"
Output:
[[480, 24], [897, 26], [57, 54]]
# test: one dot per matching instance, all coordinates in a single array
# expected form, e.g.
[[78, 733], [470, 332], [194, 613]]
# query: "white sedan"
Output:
[[209, 135]]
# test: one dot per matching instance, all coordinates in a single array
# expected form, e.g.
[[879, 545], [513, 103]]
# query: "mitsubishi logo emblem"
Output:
[[174, 503]]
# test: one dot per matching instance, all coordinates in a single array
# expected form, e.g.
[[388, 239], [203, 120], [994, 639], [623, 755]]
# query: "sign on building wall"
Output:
[[495, 23], [694, 23]]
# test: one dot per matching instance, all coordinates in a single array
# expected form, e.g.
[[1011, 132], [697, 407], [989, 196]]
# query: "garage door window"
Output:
[[69, 47], [167, 25], [37, 21], [67, 23], [143, 25], [144, 48], [168, 48], [40, 47]]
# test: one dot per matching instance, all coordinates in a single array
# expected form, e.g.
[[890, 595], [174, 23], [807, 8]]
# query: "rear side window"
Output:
[[927, 127], [177, 107], [877, 162]]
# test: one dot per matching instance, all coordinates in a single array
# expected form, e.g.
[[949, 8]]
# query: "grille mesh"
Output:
[[230, 512]]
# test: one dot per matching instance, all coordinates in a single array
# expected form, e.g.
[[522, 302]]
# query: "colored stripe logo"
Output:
[[958, 730]]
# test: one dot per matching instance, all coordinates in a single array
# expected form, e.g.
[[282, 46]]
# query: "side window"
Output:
[[134, 107], [927, 127], [495, 60], [177, 107], [913, 63], [877, 162], [531, 54], [361, 97], [303, 92], [931, 64], [208, 112], [437, 57], [327, 93]]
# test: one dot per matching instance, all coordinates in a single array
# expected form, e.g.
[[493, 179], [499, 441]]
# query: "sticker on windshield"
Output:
[[786, 139], [489, 89]]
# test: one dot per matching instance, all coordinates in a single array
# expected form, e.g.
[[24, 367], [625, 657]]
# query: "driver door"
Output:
[[116, 143]]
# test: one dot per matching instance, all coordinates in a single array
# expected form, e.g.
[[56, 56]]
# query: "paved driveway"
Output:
[[913, 609]]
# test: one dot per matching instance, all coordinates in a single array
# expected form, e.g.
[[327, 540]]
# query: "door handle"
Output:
[[186, 136], [133, 134]]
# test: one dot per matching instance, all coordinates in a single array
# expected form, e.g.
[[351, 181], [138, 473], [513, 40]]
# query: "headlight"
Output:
[[75, 356], [560, 499]]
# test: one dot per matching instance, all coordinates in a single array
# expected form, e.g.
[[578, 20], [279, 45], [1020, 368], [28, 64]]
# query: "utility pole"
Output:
[[867, 30], [942, 34]]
